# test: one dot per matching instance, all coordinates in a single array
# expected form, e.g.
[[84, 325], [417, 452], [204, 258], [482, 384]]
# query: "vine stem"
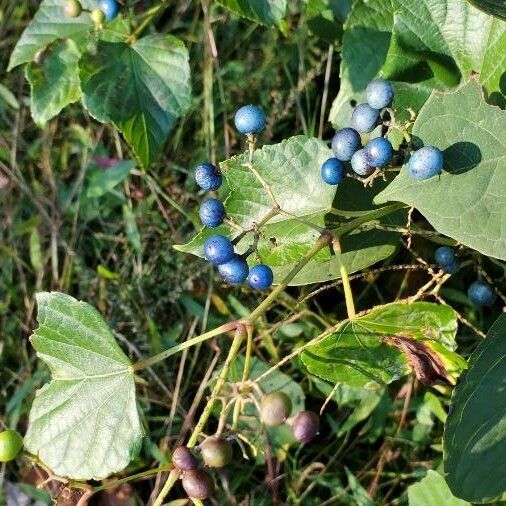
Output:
[[171, 481], [240, 333], [149, 15], [348, 294]]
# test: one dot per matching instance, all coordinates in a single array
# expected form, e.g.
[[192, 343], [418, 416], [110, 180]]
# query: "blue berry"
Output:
[[235, 271], [444, 256], [451, 268], [260, 277], [249, 119], [364, 118], [218, 249], [211, 213], [379, 93], [481, 293], [332, 171], [379, 152], [208, 177], [110, 8], [344, 143], [360, 163], [425, 163]]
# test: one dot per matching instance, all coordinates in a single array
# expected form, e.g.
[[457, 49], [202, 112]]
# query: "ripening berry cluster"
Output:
[[378, 152], [218, 249], [479, 292], [217, 451], [107, 10]]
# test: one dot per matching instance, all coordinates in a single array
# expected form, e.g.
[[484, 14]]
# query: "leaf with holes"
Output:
[[474, 441], [84, 424], [358, 353], [142, 88], [468, 201], [266, 12], [292, 171]]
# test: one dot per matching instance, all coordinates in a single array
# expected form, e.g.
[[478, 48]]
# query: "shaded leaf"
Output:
[[266, 12], [84, 424], [432, 490], [468, 201], [475, 432], [495, 8]]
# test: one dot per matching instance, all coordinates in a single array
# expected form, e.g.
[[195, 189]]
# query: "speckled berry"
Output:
[[197, 484], [260, 277], [211, 213], [481, 293], [364, 118], [444, 255], [380, 93], [235, 271], [305, 426], [332, 171], [425, 163], [275, 408], [218, 249], [379, 152], [344, 143], [208, 177], [216, 452], [249, 119], [360, 163]]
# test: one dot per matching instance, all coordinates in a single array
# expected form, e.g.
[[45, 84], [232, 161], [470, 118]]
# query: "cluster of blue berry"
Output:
[[378, 152], [107, 10], [479, 292], [218, 249]]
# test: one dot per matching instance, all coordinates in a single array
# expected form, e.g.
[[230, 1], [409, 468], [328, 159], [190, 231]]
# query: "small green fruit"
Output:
[[11, 443], [275, 408], [72, 8], [197, 484], [183, 459], [98, 18], [216, 452]]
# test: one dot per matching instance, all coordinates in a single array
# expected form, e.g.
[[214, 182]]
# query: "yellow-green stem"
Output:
[[348, 294], [171, 480]]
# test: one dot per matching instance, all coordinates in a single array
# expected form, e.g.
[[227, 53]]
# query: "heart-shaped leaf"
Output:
[[266, 12], [54, 82], [142, 88], [362, 353], [468, 201], [84, 424], [475, 433], [292, 171]]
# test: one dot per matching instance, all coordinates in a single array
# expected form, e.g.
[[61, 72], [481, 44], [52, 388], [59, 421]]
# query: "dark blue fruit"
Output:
[[249, 119], [379, 93], [208, 177], [364, 118], [332, 171], [425, 163], [260, 277], [212, 213], [444, 255], [235, 271], [481, 293], [344, 143], [218, 249], [379, 152], [110, 8], [360, 163]]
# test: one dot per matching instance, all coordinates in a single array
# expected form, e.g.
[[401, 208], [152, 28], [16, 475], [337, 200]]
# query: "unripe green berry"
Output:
[[305, 426], [197, 484], [11, 443], [216, 452], [275, 408], [183, 459], [98, 18], [72, 8]]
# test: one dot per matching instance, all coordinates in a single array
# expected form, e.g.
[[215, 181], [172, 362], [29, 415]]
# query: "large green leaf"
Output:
[[84, 424], [475, 433], [357, 355], [432, 491], [420, 45], [495, 8], [292, 170], [54, 82], [48, 25], [468, 201], [266, 12], [142, 88]]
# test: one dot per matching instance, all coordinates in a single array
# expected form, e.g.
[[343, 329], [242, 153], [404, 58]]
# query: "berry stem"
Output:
[[240, 333], [171, 481], [247, 358], [348, 294]]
